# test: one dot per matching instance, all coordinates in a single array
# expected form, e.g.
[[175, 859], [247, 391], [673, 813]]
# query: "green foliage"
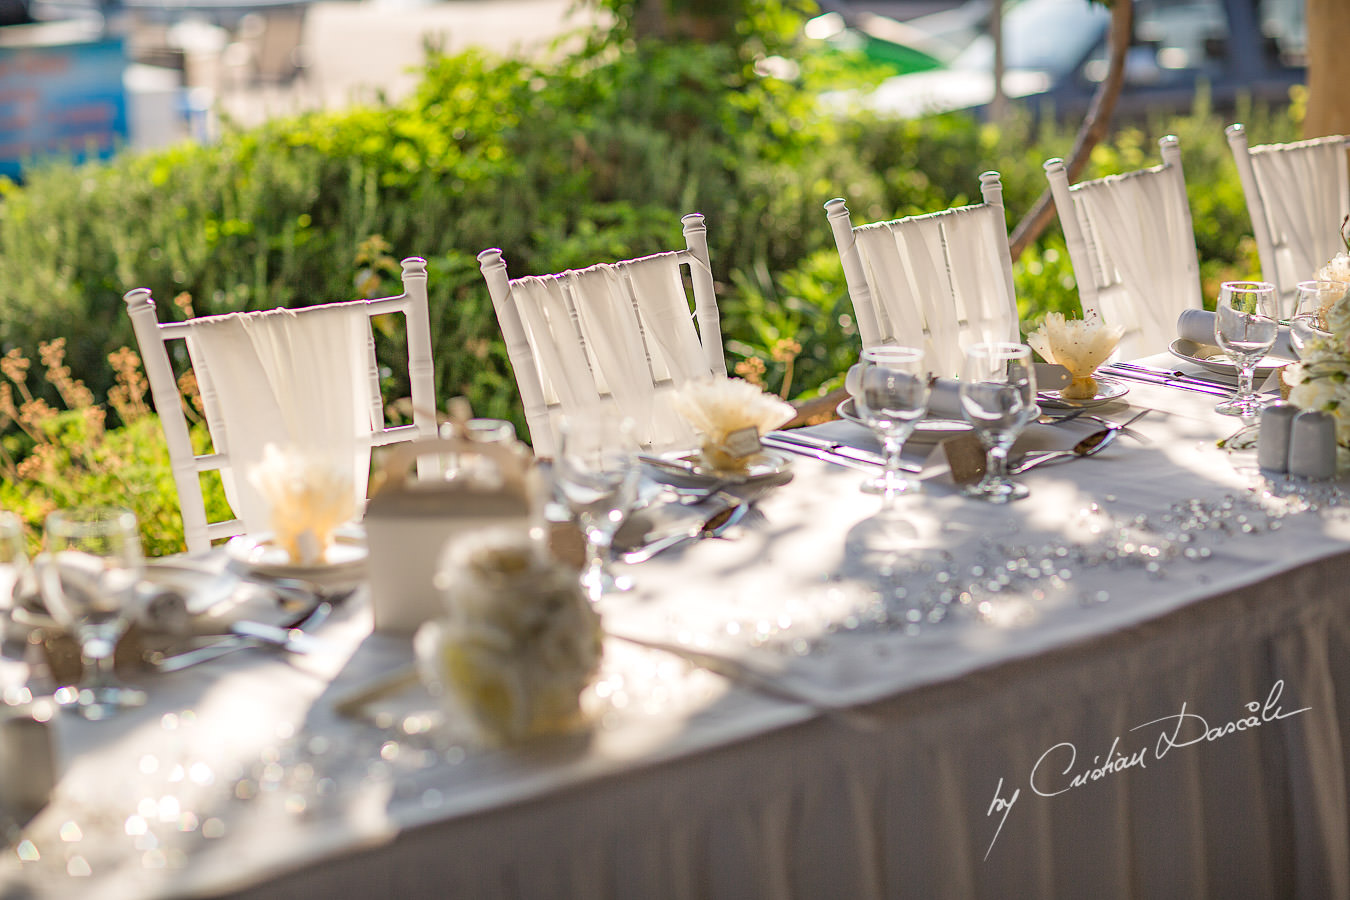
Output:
[[126, 466]]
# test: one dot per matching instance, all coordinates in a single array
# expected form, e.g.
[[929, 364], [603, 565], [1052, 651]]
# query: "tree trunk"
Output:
[[1328, 68], [1094, 126]]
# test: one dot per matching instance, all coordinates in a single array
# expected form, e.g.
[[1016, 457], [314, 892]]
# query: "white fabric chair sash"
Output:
[[1304, 202], [919, 289], [1138, 239], [284, 377], [622, 332]]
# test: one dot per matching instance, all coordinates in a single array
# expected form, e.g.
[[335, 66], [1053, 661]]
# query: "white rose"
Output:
[[1316, 393]]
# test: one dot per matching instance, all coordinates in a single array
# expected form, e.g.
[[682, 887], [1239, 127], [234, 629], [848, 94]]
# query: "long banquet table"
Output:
[[1135, 683]]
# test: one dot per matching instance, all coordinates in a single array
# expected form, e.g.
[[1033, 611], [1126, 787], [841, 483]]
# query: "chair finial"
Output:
[[1053, 165], [138, 297], [414, 267]]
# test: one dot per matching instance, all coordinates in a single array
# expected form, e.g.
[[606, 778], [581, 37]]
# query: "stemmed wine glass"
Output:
[[13, 557], [893, 399], [1246, 324], [597, 471], [998, 398], [1312, 301], [89, 586]]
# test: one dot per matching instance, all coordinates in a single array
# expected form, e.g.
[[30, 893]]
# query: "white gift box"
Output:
[[409, 524]]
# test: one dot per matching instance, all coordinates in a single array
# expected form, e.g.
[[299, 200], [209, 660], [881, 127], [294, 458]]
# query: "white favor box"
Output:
[[409, 523]]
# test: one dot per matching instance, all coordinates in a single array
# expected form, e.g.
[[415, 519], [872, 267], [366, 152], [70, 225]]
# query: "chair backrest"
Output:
[[1132, 246], [1297, 195], [617, 333], [306, 378], [941, 280]]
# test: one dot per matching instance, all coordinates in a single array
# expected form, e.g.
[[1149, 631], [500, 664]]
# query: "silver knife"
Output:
[[834, 450], [1165, 379], [292, 639]]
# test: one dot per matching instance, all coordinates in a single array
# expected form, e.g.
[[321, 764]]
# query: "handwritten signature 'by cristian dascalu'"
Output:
[[1058, 770]]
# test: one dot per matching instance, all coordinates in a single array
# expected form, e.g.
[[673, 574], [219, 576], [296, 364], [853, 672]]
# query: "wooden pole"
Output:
[[1328, 68]]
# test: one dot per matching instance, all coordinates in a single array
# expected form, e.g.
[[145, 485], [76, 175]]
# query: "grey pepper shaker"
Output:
[[1272, 449], [1312, 445]]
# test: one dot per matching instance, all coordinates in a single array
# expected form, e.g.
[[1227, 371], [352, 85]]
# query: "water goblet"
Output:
[[998, 398], [1313, 300], [88, 584], [892, 400], [596, 471], [1246, 324]]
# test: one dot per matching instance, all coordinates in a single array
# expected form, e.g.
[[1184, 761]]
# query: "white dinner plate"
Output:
[[928, 430], [1215, 360], [261, 555], [1108, 389]]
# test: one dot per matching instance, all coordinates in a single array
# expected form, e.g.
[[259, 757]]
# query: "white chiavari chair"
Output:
[[940, 280], [305, 378], [620, 333], [1298, 195], [1132, 246]]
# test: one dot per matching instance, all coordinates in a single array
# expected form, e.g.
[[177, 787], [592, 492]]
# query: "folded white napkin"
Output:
[[1197, 325]]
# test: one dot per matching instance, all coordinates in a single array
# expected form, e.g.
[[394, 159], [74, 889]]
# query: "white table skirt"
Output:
[[690, 787]]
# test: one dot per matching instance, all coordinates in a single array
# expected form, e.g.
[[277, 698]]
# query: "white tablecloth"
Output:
[[1131, 596]]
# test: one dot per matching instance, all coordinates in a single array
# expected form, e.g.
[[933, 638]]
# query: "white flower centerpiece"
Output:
[[724, 411], [1079, 345], [1321, 378], [519, 641]]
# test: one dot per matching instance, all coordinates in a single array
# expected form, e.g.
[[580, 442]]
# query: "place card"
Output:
[[965, 457], [743, 442]]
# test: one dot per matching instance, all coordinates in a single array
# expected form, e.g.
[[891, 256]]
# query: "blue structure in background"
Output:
[[62, 98]]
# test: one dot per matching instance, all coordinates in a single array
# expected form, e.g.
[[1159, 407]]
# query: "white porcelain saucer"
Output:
[[260, 555]]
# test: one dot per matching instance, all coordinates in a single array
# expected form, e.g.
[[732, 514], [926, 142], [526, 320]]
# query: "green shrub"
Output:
[[52, 458]]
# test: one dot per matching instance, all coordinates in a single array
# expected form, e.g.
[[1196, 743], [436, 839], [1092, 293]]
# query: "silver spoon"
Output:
[[1089, 446], [714, 526]]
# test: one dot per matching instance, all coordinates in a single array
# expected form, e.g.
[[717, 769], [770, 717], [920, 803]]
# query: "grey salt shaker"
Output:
[[1312, 445], [1272, 448], [27, 763]]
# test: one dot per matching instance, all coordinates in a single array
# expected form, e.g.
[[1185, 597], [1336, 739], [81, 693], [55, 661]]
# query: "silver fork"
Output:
[[229, 644]]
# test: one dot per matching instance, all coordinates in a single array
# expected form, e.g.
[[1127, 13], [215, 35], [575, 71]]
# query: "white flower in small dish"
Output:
[[725, 412], [1079, 345], [310, 496]]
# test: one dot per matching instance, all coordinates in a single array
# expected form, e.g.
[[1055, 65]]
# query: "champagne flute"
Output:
[[89, 586], [1313, 300], [998, 398], [597, 471], [894, 397], [1246, 324]]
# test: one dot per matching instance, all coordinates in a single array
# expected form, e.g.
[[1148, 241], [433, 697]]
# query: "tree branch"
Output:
[[1092, 130]]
